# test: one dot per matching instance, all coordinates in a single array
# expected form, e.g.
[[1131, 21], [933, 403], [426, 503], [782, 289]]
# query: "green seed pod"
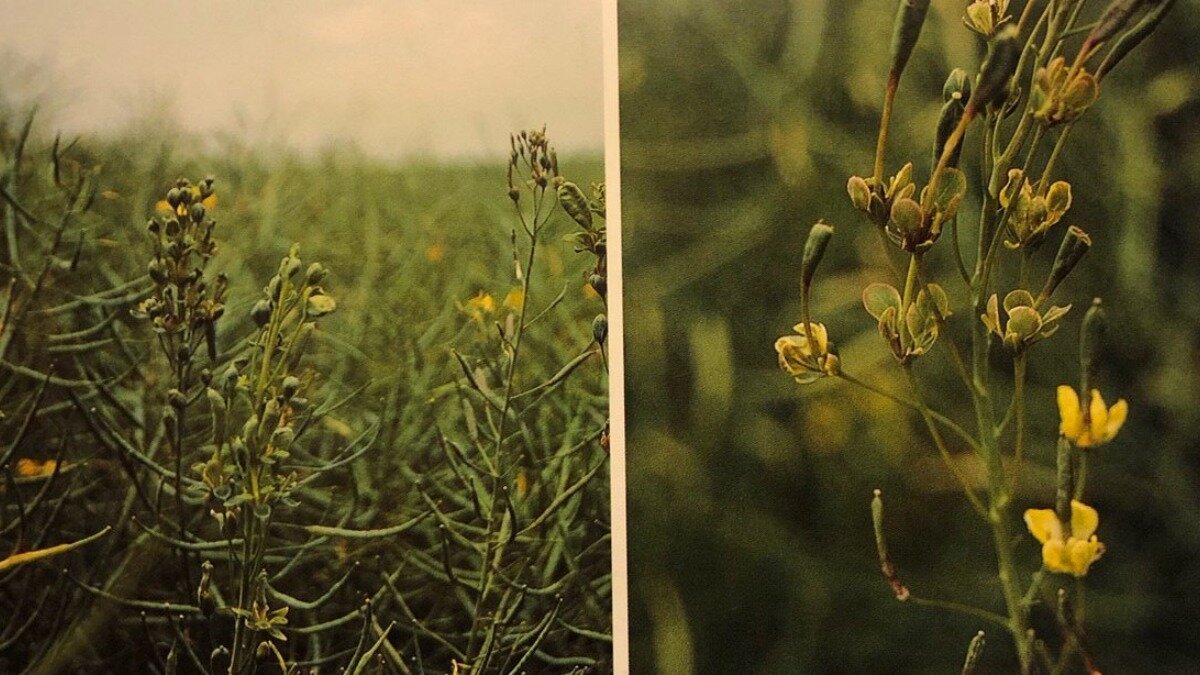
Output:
[[1091, 337], [575, 204], [1074, 245], [197, 212], [948, 119], [1004, 51], [153, 226], [215, 399], [173, 197], [1114, 18], [261, 312], [250, 428], [1134, 37], [155, 269], [814, 249], [600, 328], [910, 17]]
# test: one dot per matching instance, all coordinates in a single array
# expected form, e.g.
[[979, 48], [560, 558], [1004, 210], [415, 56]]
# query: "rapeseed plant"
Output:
[[1029, 90]]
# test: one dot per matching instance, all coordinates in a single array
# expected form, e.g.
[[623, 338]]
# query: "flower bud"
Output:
[[600, 328], [177, 399], [261, 312], [957, 87], [598, 284], [316, 274], [197, 212], [291, 385], [173, 197], [860, 193]]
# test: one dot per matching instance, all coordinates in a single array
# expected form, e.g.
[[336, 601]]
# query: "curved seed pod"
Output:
[[1074, 245], [575, 204], [910, 17], [951, 115], [998, 67]]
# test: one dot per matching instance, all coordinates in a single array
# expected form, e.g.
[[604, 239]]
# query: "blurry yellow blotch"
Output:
[[111, 195], [32, 468], [522, 483], [515, 299], [480, 305], [338, 427], [436, 252], [590, 293]]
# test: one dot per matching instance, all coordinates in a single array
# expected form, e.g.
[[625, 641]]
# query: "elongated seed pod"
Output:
[[1074, 245], [974, 654], [1114, 18], [814, 250], [998, 67], [1134, 37], [910, 17], [1090, 336]]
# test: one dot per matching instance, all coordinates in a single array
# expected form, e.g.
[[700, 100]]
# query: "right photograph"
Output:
[[912, 310]]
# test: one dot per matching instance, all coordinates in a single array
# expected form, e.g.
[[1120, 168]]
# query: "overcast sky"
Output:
[[444, 78]]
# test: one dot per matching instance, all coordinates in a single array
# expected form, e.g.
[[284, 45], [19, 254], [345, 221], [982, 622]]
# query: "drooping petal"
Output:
[[1084, 520], [1069, 412], [1043, 525], [1116, 417]]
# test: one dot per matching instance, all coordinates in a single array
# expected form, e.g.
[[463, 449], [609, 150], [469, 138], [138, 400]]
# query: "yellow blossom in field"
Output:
[[32, 468], [479, 306], [1094, 426], [515, 299], [436, 252], [807, 357], [1069, 553]]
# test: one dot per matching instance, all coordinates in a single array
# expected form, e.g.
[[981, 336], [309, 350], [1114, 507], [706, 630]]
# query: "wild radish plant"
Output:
[[1045, 66]]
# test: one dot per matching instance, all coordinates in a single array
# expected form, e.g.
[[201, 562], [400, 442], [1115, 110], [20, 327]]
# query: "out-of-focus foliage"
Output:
[[505, 558], [750, 534]]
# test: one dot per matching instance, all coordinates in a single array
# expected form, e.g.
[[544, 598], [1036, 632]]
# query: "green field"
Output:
[[421, 522]]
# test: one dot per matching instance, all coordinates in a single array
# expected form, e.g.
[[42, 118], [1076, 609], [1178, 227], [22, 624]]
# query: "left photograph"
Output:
[[303, 338]]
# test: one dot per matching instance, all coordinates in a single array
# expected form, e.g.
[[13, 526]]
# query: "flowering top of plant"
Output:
[[808, 355], [1096, 425], [1025, 324], [1067, 552], [1061, 93], [1032, 212]]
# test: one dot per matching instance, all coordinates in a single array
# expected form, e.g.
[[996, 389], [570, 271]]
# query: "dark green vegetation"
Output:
[[750, 527], [396, 432]]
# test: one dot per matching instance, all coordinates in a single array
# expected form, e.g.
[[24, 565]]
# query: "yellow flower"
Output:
[[807, 358], [1094, 426], [1071, 553], [32, 468], [515, 299], [480, 306]]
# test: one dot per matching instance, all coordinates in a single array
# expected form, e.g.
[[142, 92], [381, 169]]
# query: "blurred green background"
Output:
[[750, 534]]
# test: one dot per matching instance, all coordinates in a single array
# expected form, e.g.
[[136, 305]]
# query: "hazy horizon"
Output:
[[394, 79]]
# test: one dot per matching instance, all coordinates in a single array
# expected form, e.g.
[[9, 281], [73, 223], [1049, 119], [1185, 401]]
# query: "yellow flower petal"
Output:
[[1116, 417], [1069, 412], [1043, 525], [1084, 520], [1098, 413], [1080, 555], [1054, 556]]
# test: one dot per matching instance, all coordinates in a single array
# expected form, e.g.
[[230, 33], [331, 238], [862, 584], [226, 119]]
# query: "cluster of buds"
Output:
[[531, 154], [1032, 212], [909, 331], [184, 300], [1061, 92], [912, 224]]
